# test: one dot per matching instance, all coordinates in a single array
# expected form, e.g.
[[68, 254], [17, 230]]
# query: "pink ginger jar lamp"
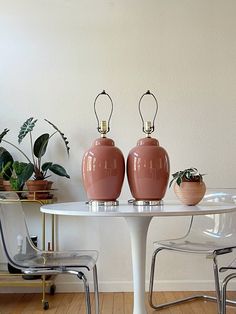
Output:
[[148, 166], [103, 166]]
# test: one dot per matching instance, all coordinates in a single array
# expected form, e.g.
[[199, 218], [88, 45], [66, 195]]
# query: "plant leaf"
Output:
[[6, 170], [27, 171], [46, 166], [59, 170], [6, 161], [27, 127], [40, 145], [22, 172], [15, 184], [5, 131], [62, 135], [178, 181], [17, 167], [171, 182]]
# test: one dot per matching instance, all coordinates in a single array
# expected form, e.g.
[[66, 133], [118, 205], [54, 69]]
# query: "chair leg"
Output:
[[179, 301], [96, 292], [224, 287], [86, 290], [152, 273], [217, 282]]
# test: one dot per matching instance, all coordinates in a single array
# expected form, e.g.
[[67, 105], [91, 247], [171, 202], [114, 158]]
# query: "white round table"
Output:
[[138, 219]]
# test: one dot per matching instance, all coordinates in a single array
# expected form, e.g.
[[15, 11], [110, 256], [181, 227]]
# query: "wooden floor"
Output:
[[111, 303]]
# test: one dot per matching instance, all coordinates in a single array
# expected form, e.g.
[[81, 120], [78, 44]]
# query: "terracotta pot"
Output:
[[148, 170], [190, 193], [103, 170], [35, 186], [7, 185], [1, 184]]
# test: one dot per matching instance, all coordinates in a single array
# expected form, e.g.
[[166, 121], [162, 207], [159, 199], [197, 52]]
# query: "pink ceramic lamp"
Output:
[[148, 165], [103, 166]]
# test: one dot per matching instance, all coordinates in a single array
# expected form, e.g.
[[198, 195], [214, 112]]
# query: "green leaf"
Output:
[[19, 167], [26, 173], [59, 170], [6, 170], [40, 145], [178, 181], [171, 182], [62, 135], [46, 166], [15, 184], [5, 131], [27, 127], [6, 161]]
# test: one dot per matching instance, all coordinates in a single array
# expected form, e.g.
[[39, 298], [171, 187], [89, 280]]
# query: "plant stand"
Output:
[[16, 280]]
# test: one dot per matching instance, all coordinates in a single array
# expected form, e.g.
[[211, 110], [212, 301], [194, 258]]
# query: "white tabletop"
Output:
[[168, 208], [138, 219]]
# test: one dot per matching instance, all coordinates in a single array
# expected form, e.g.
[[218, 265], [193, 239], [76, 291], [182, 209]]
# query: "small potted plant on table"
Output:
[[189, 186], [34, 166]]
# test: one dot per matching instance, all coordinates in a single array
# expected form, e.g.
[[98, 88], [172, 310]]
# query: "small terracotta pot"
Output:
[[190, 193], [34, 186]]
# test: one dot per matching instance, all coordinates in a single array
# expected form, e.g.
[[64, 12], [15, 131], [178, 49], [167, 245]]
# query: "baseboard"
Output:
[[125, 286]]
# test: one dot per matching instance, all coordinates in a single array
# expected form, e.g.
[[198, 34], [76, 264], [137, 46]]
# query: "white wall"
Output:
[[56, 56]]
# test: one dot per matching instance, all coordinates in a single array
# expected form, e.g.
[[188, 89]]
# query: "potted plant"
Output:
[[34, 166], [15, 174], [189, 186]]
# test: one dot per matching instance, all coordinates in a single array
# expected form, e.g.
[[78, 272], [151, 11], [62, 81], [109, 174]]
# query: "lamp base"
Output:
[[103, 203], [147, 202]]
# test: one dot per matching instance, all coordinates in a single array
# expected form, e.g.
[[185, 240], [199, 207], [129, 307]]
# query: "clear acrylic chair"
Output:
[[22, 254], [209, 235]]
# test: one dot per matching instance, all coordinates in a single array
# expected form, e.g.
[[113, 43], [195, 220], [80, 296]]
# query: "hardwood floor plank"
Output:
[[65, 302], [76, 303], [110, 303], [7, 303], [128, 303], [107, 303], [22, 303], [170, 296], [118, 303]]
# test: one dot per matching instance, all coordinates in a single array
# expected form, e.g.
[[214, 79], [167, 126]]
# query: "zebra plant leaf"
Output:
[[5, 131], [27, 127], [62, 135]]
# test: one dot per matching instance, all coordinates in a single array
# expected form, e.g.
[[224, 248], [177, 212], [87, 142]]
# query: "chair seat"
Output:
[[193, 246], [85, 259]]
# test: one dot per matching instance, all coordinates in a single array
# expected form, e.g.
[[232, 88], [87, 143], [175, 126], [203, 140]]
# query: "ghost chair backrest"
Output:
[[16, 242], [217, 227]]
